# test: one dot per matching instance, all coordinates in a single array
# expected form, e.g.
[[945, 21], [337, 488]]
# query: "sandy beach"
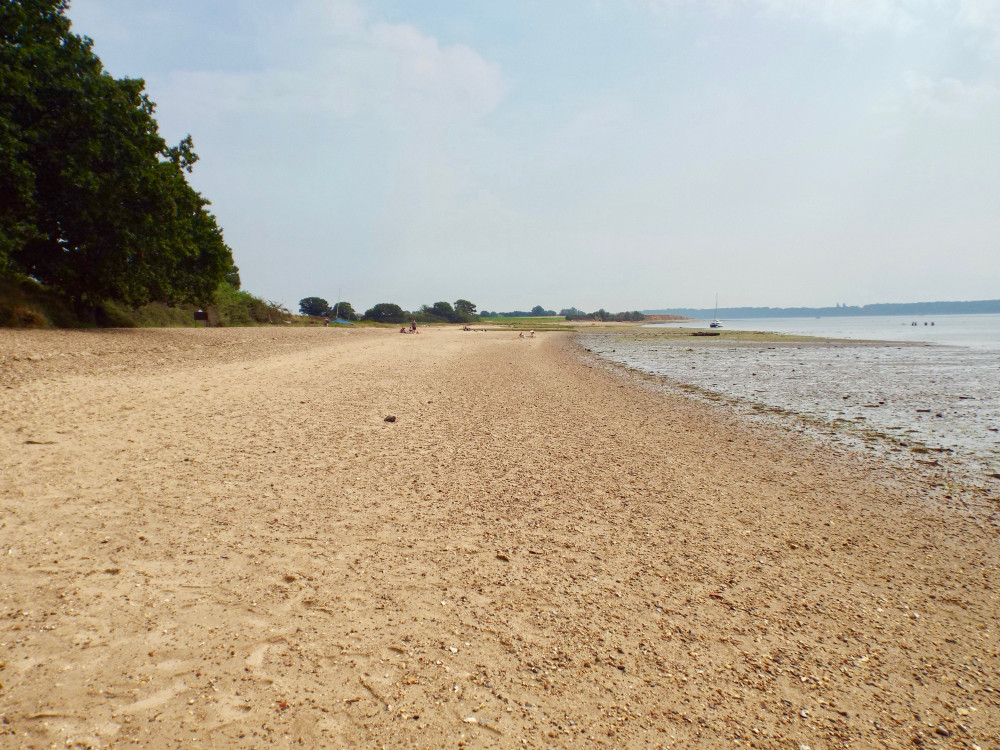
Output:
[[214, 538]]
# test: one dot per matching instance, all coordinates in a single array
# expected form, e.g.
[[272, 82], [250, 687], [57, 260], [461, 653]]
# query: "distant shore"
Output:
[[990, 306], [664, 318], [219, 535]]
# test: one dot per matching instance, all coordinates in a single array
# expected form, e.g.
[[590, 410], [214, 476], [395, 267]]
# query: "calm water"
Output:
[[973, 331], [934, 399]]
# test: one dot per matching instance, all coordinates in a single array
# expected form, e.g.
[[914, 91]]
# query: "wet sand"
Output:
[[937, 408], [213, 538]]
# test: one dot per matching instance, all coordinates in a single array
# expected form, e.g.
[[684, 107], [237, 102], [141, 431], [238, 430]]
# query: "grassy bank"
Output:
[[542, 323], [25, 303]]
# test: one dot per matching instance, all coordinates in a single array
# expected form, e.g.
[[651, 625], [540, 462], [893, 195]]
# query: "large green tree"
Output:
[[92, 200], [314, 306], [465, 310], [385, 312], [443, 310]]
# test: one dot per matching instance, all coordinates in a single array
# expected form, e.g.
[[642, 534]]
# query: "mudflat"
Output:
[[213, 538]]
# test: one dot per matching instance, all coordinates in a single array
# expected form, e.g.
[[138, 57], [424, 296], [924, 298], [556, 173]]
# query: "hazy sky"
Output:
[[626, 154]]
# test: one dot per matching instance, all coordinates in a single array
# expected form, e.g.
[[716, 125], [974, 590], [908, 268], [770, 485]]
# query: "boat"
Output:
[[716, 323], [336, 313]]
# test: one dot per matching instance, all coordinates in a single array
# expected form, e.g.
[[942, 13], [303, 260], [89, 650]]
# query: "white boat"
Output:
[[716, 323]]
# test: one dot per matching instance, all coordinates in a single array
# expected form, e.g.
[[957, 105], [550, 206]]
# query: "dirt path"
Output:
[[213, 538]]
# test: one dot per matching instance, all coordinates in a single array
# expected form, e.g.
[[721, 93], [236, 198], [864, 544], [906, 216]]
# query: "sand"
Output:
[[213, 538]]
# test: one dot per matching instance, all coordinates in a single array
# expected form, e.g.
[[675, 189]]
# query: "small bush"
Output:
[[159, 315], [24, 303], [17, 315], [113, 315], [231, 306], [234, 307]]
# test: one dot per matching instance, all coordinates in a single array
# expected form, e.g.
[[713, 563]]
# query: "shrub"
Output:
[[234, 307]]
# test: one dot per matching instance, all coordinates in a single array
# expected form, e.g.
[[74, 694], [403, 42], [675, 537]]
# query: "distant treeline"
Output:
[[570, 313], [880, 308], [462, 311], [603, 315], [536, 312]]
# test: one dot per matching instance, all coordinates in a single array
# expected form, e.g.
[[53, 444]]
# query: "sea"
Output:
[[924, 390]]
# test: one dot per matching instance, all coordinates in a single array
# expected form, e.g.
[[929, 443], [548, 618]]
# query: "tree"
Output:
[[465, 310], [92, 200], [345, 311], [314, 306], [443, 310], [385, 312]]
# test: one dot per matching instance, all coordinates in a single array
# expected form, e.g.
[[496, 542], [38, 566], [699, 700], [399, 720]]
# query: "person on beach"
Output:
[[413, 326]]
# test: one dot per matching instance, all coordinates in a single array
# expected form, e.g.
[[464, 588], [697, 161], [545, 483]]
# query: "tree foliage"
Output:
[[234, 307], [319, 306], [443, 310], [604, 316], [385, 312], [92, 200], [233, 277], [465, 310], [535, 312], [314, 306]]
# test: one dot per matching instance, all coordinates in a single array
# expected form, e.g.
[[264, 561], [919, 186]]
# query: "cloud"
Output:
[[948, 96], [327, 18], [410, 72], [982, 17], [977, 20], [865, 16], [331, 61], [587, 138], [855, 16]]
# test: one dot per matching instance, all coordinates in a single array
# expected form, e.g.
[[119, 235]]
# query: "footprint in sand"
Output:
[[256, 657], [156, 699]]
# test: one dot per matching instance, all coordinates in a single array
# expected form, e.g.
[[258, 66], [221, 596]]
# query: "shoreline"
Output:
[[975, 331], [951, 467], [214, 535]]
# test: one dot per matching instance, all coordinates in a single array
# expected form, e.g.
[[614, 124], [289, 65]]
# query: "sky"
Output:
[[624, 154]]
